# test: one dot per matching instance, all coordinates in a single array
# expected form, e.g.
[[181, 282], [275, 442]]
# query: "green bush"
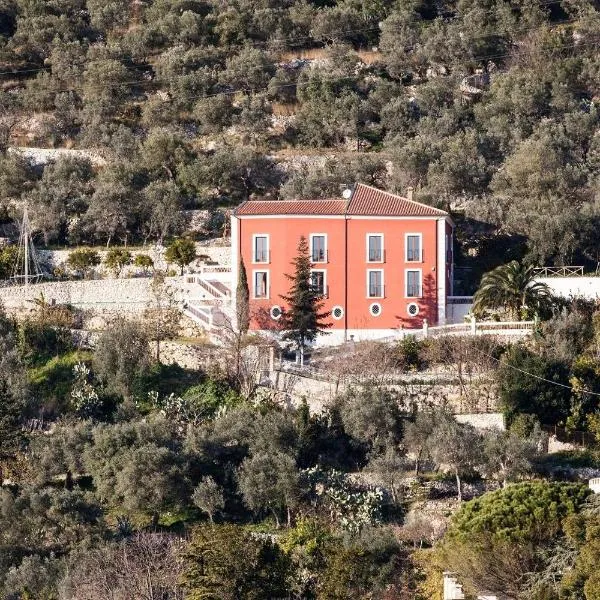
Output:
[[39, 341], [51, 382], [520, 392], [527, 511]]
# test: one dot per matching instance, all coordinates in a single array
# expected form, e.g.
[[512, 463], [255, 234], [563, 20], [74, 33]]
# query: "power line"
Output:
[[156, 81], [344, 33], [562, 385]]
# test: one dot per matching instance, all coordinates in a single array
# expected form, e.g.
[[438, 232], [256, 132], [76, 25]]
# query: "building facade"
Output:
[[383, 263]]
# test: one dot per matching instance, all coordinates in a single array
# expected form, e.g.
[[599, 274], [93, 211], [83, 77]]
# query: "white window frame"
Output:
[[324, 271], [420, 236], [326, 259], [268, 238], [369, 235], [369, 271], [420, 271], [268, 294]]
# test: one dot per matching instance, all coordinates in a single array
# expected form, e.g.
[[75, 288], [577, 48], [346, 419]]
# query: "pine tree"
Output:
[[304, 318], [243, 300]]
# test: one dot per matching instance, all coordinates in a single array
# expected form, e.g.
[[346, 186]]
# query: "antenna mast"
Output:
[[27, 268]]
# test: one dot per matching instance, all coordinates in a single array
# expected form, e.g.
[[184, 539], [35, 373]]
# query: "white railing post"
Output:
[[473, 325], [425, 328]]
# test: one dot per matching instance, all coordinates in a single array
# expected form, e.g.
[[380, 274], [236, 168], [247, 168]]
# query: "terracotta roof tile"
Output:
[[367, 200], [331, 206]]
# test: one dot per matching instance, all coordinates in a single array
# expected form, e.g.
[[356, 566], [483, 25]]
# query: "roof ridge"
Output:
[[405, 199], [330, 199], [372, 187]]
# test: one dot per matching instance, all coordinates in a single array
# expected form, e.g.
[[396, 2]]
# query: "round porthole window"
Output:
[[337, 312], [375, 309], [412, 309], [276, 312]]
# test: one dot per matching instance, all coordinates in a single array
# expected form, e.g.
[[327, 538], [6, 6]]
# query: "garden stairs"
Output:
[[206, 299]]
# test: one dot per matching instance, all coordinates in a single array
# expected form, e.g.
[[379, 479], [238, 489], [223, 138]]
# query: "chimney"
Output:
[[409, 193]]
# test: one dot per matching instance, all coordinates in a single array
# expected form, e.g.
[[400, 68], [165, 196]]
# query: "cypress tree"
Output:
[[243, 300], [304, 317]]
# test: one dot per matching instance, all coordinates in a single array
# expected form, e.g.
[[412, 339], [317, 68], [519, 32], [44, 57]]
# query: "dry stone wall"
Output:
[[213, 252], [125, 295]]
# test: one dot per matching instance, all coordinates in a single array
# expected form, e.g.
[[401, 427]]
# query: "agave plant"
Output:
[[512, 287]]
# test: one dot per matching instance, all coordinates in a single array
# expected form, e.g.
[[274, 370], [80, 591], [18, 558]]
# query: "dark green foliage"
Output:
[[8, 260], [372, 416], [513, 288], [116, 259], [51, 382], [303, 319], [181, 252], [11, 433], [67, 518], [499, 541], [166, 379], [367, 566], [522, 393], [138, 467], [243, 299], [323, 440], [121, 357], [82, 260], [213, 569], [40, 342], [531, 512]]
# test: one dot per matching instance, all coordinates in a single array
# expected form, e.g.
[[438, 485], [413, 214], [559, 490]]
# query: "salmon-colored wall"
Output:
[[394, 305], [284, 233]]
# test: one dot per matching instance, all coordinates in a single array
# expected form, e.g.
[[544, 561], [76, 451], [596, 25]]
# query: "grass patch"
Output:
[[53, 379]]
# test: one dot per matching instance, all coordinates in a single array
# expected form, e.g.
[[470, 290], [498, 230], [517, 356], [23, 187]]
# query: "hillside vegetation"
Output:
[[482, 105]]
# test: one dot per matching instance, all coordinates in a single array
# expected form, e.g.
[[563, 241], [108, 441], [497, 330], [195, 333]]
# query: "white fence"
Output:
[[559, 271], [474, 327]]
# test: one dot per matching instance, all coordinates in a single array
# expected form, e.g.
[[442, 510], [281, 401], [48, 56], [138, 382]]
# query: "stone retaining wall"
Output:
[[101, 294], [215, 253], [318, 392]]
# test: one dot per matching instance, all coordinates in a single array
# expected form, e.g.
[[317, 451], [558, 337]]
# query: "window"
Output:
[[337, 312], [318, 248], [261, 284], [374, 247], [412, 309], [375, 309], [413, 247], [413, 284], [261, 248], [375, 284], [318, 282], [276, 312]]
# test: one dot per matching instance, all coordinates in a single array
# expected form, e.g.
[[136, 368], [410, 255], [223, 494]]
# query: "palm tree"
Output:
[[512, 287]]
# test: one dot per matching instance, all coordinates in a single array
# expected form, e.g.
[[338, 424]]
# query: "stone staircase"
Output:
[[207, 302]]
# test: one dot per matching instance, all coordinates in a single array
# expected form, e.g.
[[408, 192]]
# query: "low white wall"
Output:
[[335, 337], [456, 313], [482, 420], [573, 287]]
